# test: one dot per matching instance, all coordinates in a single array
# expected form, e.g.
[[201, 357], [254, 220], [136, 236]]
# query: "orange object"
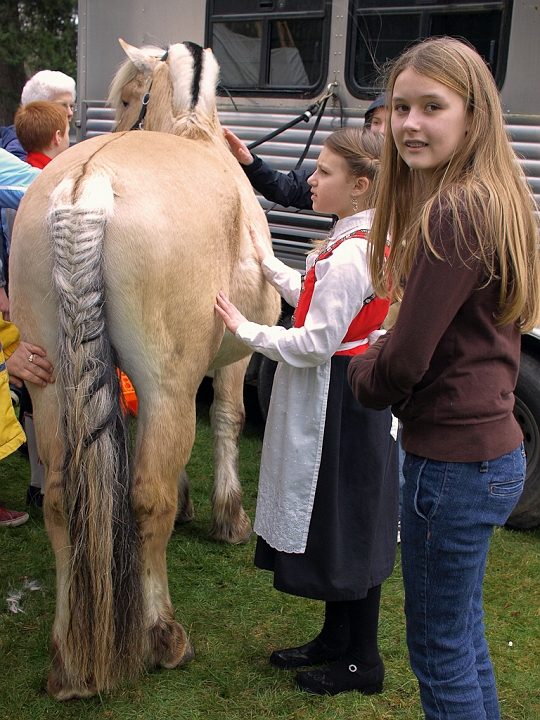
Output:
[[129, 397]]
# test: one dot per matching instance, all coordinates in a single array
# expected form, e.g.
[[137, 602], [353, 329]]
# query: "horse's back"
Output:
[[171, 173]]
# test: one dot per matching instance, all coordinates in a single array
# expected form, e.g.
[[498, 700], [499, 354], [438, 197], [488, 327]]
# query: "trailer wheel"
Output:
[[526, 514]]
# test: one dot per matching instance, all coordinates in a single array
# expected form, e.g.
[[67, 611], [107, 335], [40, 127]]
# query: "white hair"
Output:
[[46, 85]]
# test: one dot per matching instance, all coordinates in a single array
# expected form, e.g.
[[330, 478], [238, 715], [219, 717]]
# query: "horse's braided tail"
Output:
[[105, 633]]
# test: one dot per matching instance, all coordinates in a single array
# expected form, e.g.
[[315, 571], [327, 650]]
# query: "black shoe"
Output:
[[34, 496], [342, 676], [312, 653]]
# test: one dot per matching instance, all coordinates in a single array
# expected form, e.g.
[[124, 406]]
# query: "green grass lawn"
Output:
[[235, 619]]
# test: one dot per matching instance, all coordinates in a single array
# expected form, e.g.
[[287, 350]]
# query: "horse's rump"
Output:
[[169, 244]]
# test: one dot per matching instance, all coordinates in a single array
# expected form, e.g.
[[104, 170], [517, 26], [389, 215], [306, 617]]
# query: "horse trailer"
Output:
[[313, 66]]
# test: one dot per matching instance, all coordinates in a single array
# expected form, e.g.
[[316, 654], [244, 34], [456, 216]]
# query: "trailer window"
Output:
[[379, 31], [270, 47]]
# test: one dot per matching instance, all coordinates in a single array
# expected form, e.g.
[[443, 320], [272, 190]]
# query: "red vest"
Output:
[[370, 317]]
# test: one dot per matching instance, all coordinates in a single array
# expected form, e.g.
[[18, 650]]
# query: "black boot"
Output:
[[312, 653], [328, 646], [342, 676], [360, 667]]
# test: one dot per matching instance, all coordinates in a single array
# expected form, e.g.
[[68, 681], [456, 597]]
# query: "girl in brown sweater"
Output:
[[464, 258]]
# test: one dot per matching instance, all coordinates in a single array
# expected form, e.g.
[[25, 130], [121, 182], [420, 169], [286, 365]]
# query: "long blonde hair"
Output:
[[482, 182]]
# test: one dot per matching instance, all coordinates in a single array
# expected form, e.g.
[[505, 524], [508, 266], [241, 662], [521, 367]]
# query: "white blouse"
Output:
[[337, 299]]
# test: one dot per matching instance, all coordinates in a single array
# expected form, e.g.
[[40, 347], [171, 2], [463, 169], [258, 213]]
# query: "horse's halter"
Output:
[[139, 122]]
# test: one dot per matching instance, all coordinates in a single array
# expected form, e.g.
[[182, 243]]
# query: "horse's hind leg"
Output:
[[229, 521], [165, 434]]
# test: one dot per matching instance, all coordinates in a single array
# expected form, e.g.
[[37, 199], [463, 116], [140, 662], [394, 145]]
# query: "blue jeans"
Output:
[[449, 510]]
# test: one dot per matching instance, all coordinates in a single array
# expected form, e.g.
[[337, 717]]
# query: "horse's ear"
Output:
[[141, 61]]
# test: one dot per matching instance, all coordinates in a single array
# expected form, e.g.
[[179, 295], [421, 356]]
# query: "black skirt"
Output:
[[351, 544]]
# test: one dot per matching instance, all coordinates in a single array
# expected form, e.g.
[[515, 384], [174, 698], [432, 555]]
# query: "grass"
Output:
[[235, 619]]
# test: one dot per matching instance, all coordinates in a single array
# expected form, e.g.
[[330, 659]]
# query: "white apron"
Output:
[[291, 453]]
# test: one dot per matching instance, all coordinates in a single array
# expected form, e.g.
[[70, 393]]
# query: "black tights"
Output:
[[351, 626]]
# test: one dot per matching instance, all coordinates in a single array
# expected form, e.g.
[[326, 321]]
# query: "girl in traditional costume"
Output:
[[327, 505]]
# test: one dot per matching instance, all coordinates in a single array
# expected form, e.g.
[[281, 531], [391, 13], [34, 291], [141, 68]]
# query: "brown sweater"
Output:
[[446, 368]]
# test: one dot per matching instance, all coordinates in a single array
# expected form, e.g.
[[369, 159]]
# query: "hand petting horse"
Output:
[[119, 249]]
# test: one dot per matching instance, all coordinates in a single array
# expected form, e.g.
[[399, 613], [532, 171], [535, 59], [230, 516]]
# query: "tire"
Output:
[[526, 514]]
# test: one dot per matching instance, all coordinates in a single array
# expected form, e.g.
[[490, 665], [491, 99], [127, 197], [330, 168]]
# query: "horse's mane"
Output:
[[194, 76]]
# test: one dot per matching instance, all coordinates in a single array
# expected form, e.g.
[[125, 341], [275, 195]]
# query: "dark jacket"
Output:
[[10, 142], [446, 368], [288, 190]]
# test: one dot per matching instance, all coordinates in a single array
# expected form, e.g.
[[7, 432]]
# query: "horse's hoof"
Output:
[[245, 540], [62, 687], [62, 693], [232, 538], [237, 533], [181, 655], [171, 646], [189, 653], [185, 514]]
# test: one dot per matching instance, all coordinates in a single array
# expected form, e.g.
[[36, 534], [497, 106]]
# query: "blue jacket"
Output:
[[10, 142], [15, 177]]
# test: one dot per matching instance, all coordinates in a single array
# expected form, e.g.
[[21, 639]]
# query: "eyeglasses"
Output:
[[68, 106]]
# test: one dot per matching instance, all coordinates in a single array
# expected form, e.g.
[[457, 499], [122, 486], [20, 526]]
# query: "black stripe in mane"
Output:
[[197, 54]]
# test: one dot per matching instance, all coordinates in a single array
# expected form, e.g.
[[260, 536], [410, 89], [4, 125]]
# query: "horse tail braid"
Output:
[[105, 631]]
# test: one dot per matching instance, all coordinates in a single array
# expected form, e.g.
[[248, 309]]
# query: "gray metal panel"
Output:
[[101, 22], [519, 93], [138, 22], [524, 138]]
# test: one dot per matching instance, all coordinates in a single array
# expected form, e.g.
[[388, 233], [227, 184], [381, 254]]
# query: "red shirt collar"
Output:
[[38, 159]]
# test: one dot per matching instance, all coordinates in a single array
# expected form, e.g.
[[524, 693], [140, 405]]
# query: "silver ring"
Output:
[[31, 358]]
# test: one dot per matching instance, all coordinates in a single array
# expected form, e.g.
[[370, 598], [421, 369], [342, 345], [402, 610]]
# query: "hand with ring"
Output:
[[29, 362]]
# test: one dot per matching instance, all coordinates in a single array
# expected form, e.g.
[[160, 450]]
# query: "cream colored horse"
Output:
[[118, 251], [176, 88]]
